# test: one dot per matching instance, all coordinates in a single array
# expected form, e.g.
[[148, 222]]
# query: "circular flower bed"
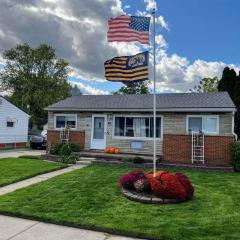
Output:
[[164, 187]]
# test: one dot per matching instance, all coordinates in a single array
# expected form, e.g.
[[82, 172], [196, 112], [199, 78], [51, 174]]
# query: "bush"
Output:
[[69, 159], [142, 185], [236, 156], [74, 147], [29, 156], [127, 180], [55, 149], [66, 150], [138, 160], [126, 159]]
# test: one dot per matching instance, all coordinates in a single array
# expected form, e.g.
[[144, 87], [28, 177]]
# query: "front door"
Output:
[[98, 138]]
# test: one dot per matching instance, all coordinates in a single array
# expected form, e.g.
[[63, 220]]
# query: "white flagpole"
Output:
[[154, 96]]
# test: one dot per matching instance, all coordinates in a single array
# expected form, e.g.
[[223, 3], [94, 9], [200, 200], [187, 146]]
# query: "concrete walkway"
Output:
[[39, 178], [19, 152], [22, 229]]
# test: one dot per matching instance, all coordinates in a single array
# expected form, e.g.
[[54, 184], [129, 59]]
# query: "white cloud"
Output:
[[86, 89], [150, 4], [162, 22], [160, 41], [127, 6]]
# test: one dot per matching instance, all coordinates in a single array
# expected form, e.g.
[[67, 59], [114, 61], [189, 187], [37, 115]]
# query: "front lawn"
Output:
[[16, 169], [91, 198]]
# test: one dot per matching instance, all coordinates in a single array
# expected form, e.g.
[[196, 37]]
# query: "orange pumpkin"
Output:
[[111, 150], [116, 150], [106, 150]]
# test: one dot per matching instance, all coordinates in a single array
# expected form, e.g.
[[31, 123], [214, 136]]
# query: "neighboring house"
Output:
[[126, 121], [13, 125]]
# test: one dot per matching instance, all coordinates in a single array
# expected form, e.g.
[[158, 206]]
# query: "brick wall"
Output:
[[17, 145], [178, 149], [77, 137]]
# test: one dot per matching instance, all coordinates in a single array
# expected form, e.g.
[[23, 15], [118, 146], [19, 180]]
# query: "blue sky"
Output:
[[195, 38]]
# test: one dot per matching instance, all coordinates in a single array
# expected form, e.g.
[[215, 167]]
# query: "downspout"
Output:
[[233, 126]]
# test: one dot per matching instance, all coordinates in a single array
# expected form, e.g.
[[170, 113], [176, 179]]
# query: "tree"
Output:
[[228, 81], [207, 85], [75, 91], [134, 88], [34, 78]]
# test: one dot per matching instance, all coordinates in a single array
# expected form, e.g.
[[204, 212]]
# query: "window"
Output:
[[63, 121], [137, 127], [207, 124], [10, 124]]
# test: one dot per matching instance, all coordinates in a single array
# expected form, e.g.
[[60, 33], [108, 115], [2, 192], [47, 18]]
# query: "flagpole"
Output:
[[154, 95]]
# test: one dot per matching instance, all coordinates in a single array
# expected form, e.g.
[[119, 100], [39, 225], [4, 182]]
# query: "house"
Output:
[[13, 125], [126, 121]]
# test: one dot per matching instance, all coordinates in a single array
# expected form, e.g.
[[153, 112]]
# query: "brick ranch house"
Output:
[[126, 121]]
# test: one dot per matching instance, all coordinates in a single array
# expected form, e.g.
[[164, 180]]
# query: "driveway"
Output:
[[22, 229], [19, 152]]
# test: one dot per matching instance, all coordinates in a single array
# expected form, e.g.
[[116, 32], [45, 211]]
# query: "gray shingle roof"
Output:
[[171, 102]]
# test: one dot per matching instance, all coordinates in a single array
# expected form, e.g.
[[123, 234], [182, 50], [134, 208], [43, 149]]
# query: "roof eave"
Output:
[[226, 109]]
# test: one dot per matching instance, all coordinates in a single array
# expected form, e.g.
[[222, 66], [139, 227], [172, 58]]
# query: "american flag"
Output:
[[129, 29]]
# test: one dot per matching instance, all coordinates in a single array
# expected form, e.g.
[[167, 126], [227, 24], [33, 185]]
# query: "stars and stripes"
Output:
[[127, 68], [129, 29]]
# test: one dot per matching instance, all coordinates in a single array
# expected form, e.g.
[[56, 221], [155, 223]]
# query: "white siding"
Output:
[[18, 133]]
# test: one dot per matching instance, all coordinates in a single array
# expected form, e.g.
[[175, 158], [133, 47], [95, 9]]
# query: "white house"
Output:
[[13, 125]]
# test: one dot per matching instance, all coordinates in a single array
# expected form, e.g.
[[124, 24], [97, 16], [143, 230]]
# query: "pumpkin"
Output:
[[106, 150], [116, 150], [111, 150]]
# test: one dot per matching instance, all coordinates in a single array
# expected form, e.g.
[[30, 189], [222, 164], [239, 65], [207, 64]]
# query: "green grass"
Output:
[[16, 169], [91, 198]]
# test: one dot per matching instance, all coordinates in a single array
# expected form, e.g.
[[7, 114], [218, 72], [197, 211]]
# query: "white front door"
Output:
[[99, 128]]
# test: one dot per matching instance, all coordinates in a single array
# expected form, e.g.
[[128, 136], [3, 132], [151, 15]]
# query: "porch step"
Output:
[[85, 160]]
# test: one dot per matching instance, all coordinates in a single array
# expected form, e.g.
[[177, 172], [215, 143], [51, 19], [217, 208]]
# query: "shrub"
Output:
[[183, 179], [236, 155], [127, 180], [138, 174], [74, 147], [66, 150], [55, 149], [29, 156], [138, 160], [69, 159], [126, 159], [142, 185]]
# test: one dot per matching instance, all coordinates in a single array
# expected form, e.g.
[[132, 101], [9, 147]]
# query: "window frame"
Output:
[[135, 138], [203, 116], [65, 115]]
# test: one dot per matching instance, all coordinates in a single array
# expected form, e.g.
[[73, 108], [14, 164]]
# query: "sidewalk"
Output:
[[22, 229], [37, 179], [19, 152]]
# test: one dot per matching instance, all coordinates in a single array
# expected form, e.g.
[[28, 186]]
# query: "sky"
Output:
[[195, 38]]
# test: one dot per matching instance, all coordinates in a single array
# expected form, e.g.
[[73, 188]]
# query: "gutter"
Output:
[[233, 126], [142, 110]]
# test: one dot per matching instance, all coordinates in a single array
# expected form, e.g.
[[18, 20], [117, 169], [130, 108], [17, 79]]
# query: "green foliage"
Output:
[[69, 159], [36, 78], [230, 82], [126, 159], [236, 155], [206, 85], [55, 149], [66, 150], [29, 157], [134, 88], [138, 160], [74, 147]]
